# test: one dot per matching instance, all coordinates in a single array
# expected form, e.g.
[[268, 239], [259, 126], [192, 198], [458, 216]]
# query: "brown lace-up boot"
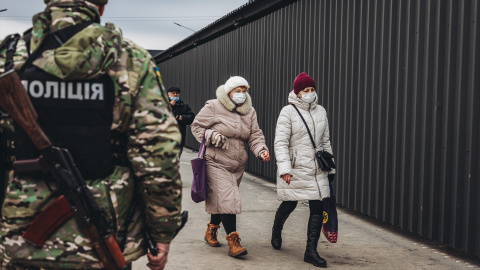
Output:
[[211, 235], [234, 247]]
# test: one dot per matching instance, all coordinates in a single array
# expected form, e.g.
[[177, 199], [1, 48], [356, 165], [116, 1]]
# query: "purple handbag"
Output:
[[199, 183]]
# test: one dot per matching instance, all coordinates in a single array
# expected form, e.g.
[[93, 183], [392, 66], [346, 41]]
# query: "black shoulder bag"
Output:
[[324, 158]]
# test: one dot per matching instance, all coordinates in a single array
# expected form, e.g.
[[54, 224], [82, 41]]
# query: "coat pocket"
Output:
[[211, 152]]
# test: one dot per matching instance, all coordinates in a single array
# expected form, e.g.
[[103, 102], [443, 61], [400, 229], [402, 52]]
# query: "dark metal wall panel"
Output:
[[399, 80]]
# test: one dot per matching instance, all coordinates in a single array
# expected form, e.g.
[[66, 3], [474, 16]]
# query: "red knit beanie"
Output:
[[302, 81]]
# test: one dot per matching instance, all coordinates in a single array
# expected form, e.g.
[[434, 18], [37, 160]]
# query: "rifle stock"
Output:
[[14, 99], [114, 258]]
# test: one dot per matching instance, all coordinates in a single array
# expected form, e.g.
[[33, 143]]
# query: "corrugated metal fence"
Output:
[[400, 82]]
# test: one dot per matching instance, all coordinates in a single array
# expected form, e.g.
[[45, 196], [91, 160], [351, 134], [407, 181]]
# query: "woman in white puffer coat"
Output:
[[299, 176]]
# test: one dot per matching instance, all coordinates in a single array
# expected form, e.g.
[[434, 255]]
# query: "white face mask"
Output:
[[239, 98], [310, 97]]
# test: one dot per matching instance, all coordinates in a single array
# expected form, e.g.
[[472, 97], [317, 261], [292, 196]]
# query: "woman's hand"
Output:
[[287, 177], [265, 156], [220, 141], [158, 262]]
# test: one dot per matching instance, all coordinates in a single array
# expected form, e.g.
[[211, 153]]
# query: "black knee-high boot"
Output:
[[277, 229], [314, 228]]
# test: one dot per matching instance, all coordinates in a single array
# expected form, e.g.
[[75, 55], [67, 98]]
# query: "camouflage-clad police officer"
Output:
[[98, 95]]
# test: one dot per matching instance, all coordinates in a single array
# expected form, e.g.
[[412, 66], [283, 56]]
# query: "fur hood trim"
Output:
[[228, 103]]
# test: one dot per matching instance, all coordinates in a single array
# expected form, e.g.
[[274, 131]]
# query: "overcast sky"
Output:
[[150, 23]]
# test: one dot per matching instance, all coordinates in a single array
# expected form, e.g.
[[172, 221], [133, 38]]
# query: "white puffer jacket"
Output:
[[295, 154]]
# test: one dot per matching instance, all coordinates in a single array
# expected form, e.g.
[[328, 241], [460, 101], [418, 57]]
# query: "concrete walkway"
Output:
[[362, 243]]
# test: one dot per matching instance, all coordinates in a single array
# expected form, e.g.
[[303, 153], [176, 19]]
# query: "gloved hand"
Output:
[[331, 177], [220, 141]]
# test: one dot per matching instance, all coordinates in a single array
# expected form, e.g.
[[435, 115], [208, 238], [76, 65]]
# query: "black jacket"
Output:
[[188, 116]]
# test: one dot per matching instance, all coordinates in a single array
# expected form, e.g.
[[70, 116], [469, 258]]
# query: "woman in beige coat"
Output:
[[227, 123]]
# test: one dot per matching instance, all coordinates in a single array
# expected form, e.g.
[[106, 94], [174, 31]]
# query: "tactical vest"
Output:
[[76, 115]]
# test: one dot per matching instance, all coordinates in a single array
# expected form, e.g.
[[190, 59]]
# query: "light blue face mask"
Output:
[[239, 98], [310, 97], [175, 98]]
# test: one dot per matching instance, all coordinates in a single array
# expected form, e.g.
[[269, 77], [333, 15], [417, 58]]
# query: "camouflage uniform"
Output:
[[141, 110]]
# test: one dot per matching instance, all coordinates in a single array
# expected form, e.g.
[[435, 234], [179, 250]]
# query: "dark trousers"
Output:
[[287, 207], [229, 221]]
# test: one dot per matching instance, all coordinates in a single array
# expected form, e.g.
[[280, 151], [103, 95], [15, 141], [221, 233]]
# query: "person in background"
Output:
[[227, 123], [298, 174], [97, 95], [182, 112]]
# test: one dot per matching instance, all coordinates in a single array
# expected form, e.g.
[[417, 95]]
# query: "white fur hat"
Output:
[[235, 82]]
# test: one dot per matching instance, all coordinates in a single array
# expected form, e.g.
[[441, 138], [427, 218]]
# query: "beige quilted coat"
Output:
[[225, 167]]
